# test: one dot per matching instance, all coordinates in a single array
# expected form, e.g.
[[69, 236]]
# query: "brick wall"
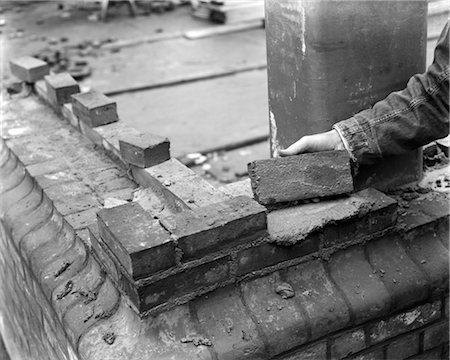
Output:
[[363, 276]]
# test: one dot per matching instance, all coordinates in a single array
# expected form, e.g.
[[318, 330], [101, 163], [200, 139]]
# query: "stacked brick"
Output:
[[359, 277]]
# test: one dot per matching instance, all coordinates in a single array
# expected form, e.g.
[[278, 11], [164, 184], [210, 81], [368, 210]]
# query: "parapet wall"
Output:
[[184, 270]]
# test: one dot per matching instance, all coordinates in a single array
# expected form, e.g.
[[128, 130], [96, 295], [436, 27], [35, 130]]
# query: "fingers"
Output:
[[319, 142], [299, 147]]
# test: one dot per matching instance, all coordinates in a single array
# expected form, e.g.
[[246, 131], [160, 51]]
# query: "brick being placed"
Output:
[[211, 228], [94, 108], [144, 150], [29, 69], [301, 177], [60, 87], [140, 243]]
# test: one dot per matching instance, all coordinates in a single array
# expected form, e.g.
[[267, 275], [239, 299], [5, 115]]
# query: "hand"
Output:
[[329, 140]]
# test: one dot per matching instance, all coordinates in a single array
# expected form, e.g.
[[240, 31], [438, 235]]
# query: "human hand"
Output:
[[329, 140]]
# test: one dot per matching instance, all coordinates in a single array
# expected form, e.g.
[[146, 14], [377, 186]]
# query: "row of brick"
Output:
[[68, 278], [89, 110], [362, 301], [228, 238]]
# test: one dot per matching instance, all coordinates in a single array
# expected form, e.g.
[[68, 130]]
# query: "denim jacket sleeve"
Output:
[[406, 119]]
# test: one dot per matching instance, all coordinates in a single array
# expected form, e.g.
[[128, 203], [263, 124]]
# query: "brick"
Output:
[[60, 87], [238, 188], [29, 69], [383, 212], [268, 254], [281, 320], [144, 150], [434, 204], [83, 219], [446, 307], [367, 296], [404, 322], [72, 197], [289, 225], [189, 282], [319, 298], [301, 177], [347, 343], [432, 354], [67, 113], [436, 335], [431, 256], [82, 286], [234, 335], [405, 282], [104, 257], [139, 242], [310, 352], [111, 134], [94, 108], [45, 233], [182, 182], [83, 315], [212, 228], [403, 347], [47, 180], [63, 267]]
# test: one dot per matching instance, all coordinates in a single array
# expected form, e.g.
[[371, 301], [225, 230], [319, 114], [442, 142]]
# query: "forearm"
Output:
[[406, 119]]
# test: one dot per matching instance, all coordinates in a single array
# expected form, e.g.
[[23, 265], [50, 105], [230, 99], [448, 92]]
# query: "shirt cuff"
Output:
[[354, 138]]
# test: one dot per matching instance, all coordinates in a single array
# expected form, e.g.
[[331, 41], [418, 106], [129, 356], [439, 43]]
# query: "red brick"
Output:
[[365, 293], [347, 343], [431, 256], [432, 354], [238, 188], [45, 233], [82, 286], [67, 113], [60, 87], [30, 221], [72, 197], [94, 108], [181, 181], [144, 150], [319, 298], [436, 335], [404, 347], [111, 134], [29, 69], [47, 252], [139, 242], [281, 320], [310, 352], [383, 210], [211, 228], [404, 322], [268, 254], [234, 335], [83, 315], [83, 219], [63, 267], [112, 266], [301, 177], [405, 282], [196, 280]]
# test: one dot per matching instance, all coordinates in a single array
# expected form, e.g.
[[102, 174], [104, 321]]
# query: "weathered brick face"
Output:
[[30, 325]]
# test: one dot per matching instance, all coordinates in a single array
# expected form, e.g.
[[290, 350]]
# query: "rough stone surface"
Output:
[[29, 69], [404, 347], [144, 150], [94, 108], [301, 177], [436, 335], [139, 242], [60, 88], [211, 228], [347, 344]]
